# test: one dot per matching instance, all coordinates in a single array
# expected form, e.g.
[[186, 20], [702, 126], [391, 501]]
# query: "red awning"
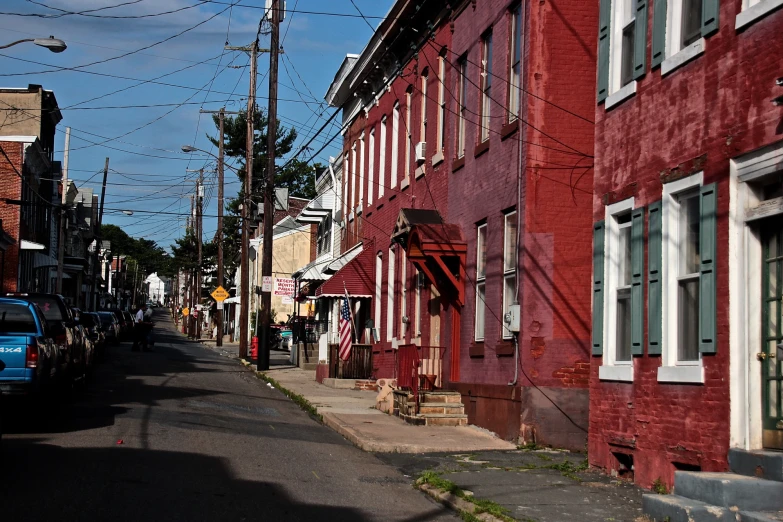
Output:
[[357, 276]]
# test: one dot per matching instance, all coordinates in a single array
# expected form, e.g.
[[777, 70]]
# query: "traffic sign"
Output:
[[266, 284], [220, 294], [185, 311]]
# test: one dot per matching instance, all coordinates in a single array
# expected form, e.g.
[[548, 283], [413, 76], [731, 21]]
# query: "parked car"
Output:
[[125, 327], [286, 339], [28, 354], [89, 345], [111, 327], [95, 331], [68, 338]]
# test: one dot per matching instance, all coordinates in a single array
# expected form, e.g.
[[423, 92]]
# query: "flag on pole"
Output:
[[345, 330]]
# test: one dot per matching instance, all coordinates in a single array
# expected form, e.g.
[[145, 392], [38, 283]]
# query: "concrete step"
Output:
[[452, 397], [441, 407], [445, 419], [730, 490], [674, 508], [762, 464], [308, 366], [755, 516]]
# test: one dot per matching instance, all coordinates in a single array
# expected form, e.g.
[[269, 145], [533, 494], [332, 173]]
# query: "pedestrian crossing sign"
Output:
[[220, 294]]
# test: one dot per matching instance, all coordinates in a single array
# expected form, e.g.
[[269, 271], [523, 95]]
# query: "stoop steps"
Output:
[[439, 408], [751, 492]]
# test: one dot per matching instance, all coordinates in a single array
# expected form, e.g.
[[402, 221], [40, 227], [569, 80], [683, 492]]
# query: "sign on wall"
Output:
[[284, 286]]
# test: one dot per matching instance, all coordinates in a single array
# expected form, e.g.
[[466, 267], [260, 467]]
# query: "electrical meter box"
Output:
[[512, 318]]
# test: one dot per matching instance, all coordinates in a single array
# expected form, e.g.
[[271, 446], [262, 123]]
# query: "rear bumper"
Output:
[[18, 388]]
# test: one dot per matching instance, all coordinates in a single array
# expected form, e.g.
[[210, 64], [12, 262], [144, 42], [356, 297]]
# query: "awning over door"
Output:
[[436, 248], [355, 272]]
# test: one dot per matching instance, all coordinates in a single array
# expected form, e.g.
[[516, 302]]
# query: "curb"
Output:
[[456, 503]]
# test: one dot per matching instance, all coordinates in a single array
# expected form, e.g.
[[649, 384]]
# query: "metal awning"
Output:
[[344, 259], [354, 275], [314, 271], [318, 209]]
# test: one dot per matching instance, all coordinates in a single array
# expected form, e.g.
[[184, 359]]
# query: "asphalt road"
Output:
[[185, 434]]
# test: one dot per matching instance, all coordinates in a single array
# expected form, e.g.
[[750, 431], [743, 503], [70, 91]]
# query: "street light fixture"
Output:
[[53, 44], [127, 212]]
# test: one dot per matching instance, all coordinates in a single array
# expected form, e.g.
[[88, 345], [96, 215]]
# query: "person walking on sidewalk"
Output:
[[140, 331]]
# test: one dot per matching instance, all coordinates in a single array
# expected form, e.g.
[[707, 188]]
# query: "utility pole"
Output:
[[97, 235], [199, 233], [244, 295], [269, 190], [63, 216]]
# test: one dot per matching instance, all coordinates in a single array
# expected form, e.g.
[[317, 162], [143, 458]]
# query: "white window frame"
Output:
[[485, 109], [612, 369], [346, 203], [676, 54], [408, 140], [371, 167], [418, 281], [462, 100], [403, 293], [378, 289], [360, 202], [390, 298], [620, 19], [441, 136], [382, 160], [752, 10], [354, 199], [395, 159], [423, 130], [672, 370], [481, 280], [515, 62], [508, 271]]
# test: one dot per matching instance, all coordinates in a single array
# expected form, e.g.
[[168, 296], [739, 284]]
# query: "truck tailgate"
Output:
[[13, 353]]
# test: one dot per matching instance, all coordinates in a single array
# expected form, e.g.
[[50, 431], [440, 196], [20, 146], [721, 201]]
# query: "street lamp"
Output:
[[127, 212], [53, 44]]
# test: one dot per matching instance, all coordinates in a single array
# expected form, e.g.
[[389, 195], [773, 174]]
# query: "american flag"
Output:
[[345, 330]]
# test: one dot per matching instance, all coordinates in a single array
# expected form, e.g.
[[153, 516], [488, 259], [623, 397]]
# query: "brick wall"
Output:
[[718, 105], [11, 188]]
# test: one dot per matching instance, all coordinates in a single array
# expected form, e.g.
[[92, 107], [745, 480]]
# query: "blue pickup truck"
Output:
[[28, 355]]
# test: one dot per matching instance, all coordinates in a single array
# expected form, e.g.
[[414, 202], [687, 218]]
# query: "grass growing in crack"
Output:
[[659, 487], [569, 469], [435, 480], [295, 397]]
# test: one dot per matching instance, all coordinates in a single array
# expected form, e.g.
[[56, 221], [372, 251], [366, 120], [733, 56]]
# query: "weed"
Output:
[[544, 457], [296, 398], [659, 487], [434, 479], [530, 446]]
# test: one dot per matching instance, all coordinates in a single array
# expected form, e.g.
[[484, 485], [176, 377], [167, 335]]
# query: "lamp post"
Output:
[[53, 44]]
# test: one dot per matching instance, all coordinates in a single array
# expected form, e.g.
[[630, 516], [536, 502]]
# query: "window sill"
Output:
[[481, 148], [476, 349], [504, 347], [620, 95], [684, 374], [405, 183], [350, 217], [622, 373], [457, 164], [419, 171], [509, 129], [751, 14], [682, 57], [437, 159]]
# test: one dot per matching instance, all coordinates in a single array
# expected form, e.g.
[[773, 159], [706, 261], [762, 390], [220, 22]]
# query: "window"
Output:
[[753, 10], [324, 235], [395, 144], [622, 48], [679, 28], [419, 282], [515, 61], [378, 288], [481, 276], [382, 160], [346, 164], [462, 89], [408, 135], [441, 103], [423, 131], [371, 171], [360, 195], [509, 266], [403, 294], [354, 199], [486, 84], [390, 298], [687, 314]]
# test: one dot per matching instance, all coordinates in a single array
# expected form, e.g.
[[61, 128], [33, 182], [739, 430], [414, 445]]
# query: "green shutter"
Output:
[[640, 40], [654, 261], [707, 294], [604, 23], [637, 276], [709, 16], [659, 32], [598, 288]]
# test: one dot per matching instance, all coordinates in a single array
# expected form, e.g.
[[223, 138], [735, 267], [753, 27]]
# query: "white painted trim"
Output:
[[670, 251], [19, 139], [761, 162], [754, 12], [681, 374], [611, 237], [619, 20], [682, 57], [622, 373], [438, 158], [620, 95]]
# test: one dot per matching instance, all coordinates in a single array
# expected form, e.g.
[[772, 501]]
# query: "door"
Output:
[[772, 333]]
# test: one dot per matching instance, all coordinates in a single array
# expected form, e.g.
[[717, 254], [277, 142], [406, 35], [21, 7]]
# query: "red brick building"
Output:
[[465, 122], [687, 236]]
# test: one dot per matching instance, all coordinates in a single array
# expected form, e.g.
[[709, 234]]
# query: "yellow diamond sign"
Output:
[[220, 294]]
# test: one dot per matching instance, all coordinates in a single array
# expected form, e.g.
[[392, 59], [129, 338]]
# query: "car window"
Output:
[[86, 320], [49, 306], [15, 318]]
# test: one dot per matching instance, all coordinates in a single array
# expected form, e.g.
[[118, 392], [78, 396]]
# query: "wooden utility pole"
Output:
[[269, 191], [199, 227], [98, 238], [63, 215]]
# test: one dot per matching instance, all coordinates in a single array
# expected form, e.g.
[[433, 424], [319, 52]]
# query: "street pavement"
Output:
[[183, 433]]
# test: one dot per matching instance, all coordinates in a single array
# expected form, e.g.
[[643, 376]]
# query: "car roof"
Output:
[[15, 301]]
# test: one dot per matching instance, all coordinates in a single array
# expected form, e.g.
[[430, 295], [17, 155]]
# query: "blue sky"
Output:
[[147, 168]]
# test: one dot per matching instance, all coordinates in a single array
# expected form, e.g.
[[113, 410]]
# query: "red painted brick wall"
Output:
[[718, 105], [11, 188], [555, 246]]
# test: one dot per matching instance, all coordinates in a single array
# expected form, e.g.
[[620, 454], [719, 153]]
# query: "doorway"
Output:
[[771, 351]]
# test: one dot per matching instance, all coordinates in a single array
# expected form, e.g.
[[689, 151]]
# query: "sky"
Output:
[[142, 127]]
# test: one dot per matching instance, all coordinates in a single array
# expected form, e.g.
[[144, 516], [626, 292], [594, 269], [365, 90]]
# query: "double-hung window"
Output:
[[515, 62], [390, 297], [509, 266], [622, 48], [441, 103], [395, 149], [686, 309], [486, 84], [423, 130], [679, 29], [462, 89], [378, 290], [371, 169], [481, 277], [408, 137], [360, 194], [382, 160]]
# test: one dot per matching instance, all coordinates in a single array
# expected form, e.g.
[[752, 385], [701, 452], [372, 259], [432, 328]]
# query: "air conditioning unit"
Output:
[[421, 151]]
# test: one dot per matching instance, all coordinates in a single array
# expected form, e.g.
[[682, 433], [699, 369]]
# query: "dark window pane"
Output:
[[626, 74], [688, 305], [623, 325], [691, 21], [16, 319]]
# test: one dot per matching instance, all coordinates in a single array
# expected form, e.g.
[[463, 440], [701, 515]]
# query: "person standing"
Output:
[[140, 331]]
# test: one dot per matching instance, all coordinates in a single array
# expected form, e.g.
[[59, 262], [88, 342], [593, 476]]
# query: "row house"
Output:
[[466, 197], [688, 239]]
